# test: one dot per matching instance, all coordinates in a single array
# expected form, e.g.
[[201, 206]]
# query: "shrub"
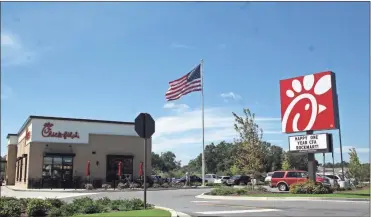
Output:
[[38, 207], [156, 185], [55, 212], [165, 185], [134, 185], [310, 187], [10, 207], [69, 209], [105, 201], [57, 203], [80, 202], [91, 207], [89, 186], [24, 202], [223, 191], [122, 186], [106, 186], [115, 205]]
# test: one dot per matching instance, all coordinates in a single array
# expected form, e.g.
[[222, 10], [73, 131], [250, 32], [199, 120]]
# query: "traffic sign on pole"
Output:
[[145, 127]]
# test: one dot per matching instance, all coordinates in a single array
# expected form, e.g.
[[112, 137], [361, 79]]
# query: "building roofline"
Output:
[[71, 119], [11, 134]]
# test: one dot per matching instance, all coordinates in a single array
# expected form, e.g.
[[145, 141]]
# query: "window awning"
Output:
[[47, 154]]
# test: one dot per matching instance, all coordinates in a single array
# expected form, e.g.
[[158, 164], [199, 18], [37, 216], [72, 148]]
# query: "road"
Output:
[[185, 201]]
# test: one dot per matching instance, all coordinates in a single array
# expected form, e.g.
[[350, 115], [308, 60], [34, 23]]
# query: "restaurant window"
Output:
[[20, 171], [58, 167], [25, 169]]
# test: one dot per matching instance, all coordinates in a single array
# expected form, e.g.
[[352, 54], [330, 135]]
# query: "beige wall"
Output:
[[103, 145], [23, 148], [10, 164]]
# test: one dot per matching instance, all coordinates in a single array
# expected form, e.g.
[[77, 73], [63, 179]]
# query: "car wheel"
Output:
[[282, 187]]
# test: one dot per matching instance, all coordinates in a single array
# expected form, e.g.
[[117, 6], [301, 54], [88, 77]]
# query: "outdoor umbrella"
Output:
[[141, 169], [88, 169], [119, 169]]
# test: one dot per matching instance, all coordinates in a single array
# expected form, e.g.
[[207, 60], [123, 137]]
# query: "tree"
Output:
[[298, 161], [286, 163], [250, 155], [355, 167]]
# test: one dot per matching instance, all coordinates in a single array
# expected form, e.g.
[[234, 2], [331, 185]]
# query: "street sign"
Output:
[[144, 125]]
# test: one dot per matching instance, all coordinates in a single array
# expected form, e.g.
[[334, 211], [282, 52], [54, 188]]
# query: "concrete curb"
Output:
[[94, 191], [242, 198], [172, 212]]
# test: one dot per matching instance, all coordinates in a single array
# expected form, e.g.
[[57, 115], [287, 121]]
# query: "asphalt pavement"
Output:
[[185, 201]]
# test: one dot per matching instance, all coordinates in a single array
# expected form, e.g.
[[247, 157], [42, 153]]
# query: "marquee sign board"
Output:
[[316, 143], [309, 103]]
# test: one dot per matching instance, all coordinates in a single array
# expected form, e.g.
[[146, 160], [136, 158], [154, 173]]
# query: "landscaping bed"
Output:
[[137, 213], [307, 189], [26, 207]]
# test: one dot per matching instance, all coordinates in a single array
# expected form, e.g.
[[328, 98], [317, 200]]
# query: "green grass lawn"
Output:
[[365, 193], [136, 213]]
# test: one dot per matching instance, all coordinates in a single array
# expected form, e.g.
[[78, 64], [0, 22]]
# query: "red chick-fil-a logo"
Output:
[[47, 131], [28, 135]]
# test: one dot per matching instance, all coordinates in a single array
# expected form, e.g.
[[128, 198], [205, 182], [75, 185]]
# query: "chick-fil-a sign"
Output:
[[47, 131]]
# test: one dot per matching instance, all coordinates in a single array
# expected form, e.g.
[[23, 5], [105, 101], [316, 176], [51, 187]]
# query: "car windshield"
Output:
[[225, 177], [236, 177]]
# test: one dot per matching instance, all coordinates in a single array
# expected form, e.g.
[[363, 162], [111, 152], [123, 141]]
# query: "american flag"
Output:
[[190, 82]]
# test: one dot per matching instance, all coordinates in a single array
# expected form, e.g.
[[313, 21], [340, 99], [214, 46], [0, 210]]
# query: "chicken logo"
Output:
[[308, 103]]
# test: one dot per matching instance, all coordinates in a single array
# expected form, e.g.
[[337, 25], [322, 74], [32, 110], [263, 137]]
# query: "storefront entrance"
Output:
[[57, 171], [112, 167]]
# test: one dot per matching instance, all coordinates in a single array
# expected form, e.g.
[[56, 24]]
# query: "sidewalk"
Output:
[[13, 188], [246, 198]]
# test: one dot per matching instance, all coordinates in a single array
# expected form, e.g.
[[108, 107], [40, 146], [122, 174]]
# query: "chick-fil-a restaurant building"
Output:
[[54, 152]]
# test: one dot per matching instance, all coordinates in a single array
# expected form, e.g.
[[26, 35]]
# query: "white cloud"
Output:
[[6, 92], [230, 95], [181, 46], [346, 149], [185, 128], [176, 107], [12, 50]]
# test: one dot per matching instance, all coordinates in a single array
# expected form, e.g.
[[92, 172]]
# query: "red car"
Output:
[[284, 179]]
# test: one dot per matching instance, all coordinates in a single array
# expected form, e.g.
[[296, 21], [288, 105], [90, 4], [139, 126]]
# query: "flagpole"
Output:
[[203, 123]]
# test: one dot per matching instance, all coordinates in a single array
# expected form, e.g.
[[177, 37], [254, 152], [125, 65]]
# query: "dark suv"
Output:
[[192, 179], [238, 179]]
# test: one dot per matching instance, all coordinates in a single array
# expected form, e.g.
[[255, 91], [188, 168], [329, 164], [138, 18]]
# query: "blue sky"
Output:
[[114, 60]]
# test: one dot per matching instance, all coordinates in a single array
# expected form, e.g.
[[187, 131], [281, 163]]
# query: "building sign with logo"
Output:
[[76, 132], [47, 131], [316, 143], [309, 103]]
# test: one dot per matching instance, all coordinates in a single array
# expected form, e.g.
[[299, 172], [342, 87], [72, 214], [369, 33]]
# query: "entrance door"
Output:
[[67, 172]]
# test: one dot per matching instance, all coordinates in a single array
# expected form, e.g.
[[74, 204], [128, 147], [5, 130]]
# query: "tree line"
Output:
[[247, 154]]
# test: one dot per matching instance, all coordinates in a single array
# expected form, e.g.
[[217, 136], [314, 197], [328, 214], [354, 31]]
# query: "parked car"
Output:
[[284, 179], [268, 177], [221, 180], [192, 178], [210, 178], [238, 179], [341, 181], [333, 181]]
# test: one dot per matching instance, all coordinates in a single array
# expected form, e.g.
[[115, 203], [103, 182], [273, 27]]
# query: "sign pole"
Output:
[[311, 163], [324, 162], [341, 154], [145, 173]]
